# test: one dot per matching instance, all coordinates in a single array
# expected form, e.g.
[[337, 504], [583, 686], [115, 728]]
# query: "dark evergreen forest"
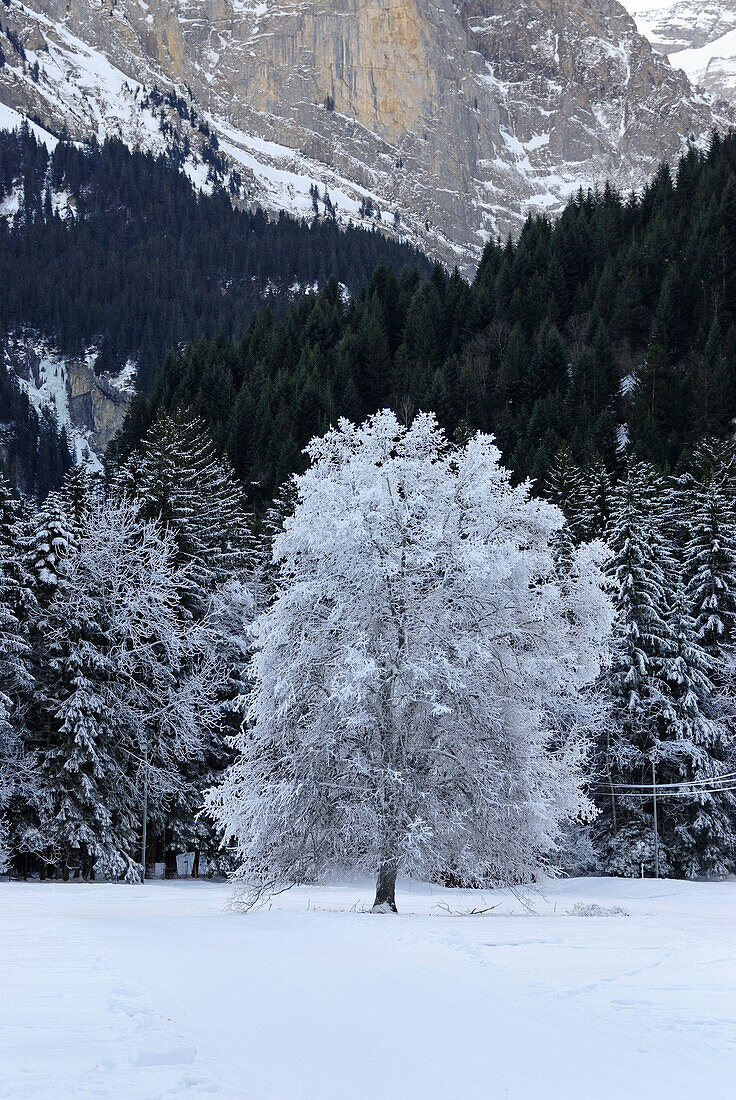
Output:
[[133, 257], [611, 330]]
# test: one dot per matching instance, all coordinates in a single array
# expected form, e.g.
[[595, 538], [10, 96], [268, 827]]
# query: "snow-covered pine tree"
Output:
[[413, 677], [708, 515], [183, 483], [76, 493], [52, 541], [698, 824], [16, 598], [596, 490], [16, 681], [716, 458], [127, 689], [642, 570], [565, 487]]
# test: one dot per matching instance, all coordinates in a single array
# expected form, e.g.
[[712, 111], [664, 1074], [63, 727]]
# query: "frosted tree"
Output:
[[182, 482], [228, 622], [17, 607], [128, 689], [9, 750], [4, 846], [642, 569], [16, 599], [414, 678], [693, 745]]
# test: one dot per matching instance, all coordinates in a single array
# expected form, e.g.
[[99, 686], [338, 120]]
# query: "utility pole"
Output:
[[656, 832], [145, 810]]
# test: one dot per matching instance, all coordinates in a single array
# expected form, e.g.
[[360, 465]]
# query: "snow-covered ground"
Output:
[[159, 991]]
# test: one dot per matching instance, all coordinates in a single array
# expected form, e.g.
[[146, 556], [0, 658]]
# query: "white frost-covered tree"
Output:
[[415, 677], [128, 690]]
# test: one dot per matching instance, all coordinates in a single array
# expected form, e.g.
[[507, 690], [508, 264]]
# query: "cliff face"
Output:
[[90, 407], [454, 118]]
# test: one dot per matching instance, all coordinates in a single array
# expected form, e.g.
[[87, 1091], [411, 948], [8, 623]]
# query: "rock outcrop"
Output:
[[90, 407]]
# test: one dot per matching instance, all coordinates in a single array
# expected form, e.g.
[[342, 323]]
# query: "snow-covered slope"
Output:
[[453, 119], [698, 36]]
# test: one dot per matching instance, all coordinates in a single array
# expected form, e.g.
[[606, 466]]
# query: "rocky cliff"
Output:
[[451, 119], [90, 407]]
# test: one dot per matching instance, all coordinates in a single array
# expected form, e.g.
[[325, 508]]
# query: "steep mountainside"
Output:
[[452, 120], [610, 332], [109, 258], [699, 36]]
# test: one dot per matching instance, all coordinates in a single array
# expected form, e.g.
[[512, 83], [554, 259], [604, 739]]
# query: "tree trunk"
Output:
[[169, 855], [386, 888], [195, 868]]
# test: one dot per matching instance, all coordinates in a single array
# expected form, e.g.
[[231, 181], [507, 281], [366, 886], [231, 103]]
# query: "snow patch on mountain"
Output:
[[13, 120], [697, 36], [713, 64]]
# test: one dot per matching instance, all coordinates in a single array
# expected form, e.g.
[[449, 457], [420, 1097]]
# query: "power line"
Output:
[[689, 792], [721, 778]]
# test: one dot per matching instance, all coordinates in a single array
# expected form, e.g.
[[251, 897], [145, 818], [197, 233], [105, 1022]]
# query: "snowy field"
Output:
[[158, 991]]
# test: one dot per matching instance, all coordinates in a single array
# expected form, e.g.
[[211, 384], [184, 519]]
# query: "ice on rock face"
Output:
[[459, 122], [90, 408]]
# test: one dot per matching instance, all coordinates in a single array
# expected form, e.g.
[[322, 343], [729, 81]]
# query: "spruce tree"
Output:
[[52, 540], [709, 560], [641, 569], [566, 488], [182, 482], [698, 823]]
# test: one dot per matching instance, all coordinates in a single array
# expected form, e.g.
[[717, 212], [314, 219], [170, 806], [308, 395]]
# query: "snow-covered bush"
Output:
[[415, 677]]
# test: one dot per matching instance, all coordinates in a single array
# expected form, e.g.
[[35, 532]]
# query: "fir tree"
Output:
[[185, 485], [641, 569]]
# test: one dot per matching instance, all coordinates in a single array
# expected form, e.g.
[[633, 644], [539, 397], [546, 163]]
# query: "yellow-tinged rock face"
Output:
[[456, 117]]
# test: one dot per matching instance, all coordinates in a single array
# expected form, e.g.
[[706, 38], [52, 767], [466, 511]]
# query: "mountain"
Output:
[[448, 120], [109, 258], [698, 36]]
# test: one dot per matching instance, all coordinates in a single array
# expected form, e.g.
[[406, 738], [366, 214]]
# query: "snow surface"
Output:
[[12, 120], [159, 991], [720, 55]]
